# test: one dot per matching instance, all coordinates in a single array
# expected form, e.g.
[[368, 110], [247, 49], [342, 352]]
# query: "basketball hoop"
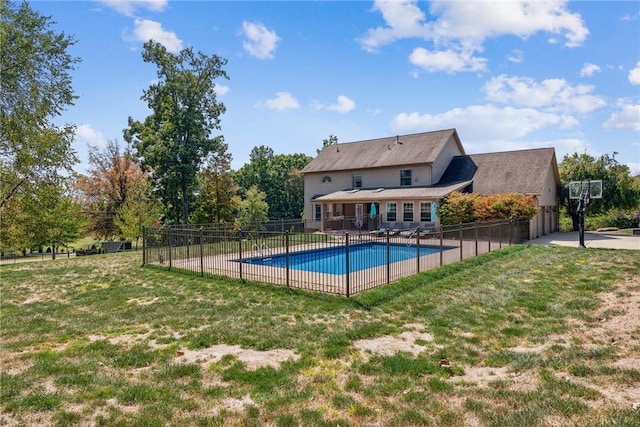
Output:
[[584, 191]]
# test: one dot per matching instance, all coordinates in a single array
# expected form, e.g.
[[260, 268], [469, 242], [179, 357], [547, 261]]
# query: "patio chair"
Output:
[[380, 231], [411, 232], [396, 229]]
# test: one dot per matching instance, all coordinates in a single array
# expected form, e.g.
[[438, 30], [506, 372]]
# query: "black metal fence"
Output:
[[282, 253]]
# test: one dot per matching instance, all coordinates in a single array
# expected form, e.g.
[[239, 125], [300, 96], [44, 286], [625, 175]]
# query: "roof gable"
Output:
[[523, 171], [399, 150]]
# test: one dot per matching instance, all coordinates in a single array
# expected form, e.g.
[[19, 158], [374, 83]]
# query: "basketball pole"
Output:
[[584, 199]]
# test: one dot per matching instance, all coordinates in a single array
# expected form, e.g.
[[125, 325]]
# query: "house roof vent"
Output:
[[398, 139]]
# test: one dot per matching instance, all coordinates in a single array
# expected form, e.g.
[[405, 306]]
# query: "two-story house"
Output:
[[399, 181]]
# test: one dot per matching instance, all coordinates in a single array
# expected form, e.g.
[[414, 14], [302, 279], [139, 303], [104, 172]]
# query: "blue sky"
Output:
[[507, 75]]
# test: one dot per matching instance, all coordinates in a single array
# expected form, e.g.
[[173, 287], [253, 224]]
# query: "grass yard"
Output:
[[525, 336]]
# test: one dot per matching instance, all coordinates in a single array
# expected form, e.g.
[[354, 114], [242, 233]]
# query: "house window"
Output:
[[317, 212], [326, 178], [407, 212], [337, 208], [357, 181], [391, 212], [425, 212], [405, 177]]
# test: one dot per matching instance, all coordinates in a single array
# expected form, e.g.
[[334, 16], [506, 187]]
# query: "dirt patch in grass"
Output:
[[407, 342], [615, 323], [252, 359]]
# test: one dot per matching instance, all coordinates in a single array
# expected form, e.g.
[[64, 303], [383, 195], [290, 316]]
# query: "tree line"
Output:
[[175, 166]]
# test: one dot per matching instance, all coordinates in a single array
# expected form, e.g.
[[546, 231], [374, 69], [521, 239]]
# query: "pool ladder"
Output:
[[262, 250]]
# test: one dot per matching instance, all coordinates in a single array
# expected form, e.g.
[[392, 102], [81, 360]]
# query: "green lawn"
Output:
[[525, 336]]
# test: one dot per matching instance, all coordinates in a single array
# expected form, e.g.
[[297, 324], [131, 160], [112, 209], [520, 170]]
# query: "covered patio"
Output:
[[369, 209]]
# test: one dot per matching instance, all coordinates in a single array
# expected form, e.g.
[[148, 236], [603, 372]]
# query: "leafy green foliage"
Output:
[[279, 177], [253, 208], [36, 87], [217, 199], [176, 138], [620, 190], [46, 217]]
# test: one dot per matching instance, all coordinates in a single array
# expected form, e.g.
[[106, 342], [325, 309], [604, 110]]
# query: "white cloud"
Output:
[[343, 105], [551, 94], [282, 101], [221, 89], [477, 21], [460, 28], [128, 7], [487, 128], [634, 75], [588, 70], [628, 117], [260, 42], [404, 20], [493, 122], [516, 56], [146, 30], [446, 60], [86, 135]]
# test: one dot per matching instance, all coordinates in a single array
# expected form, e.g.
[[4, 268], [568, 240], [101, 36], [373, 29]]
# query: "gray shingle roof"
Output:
[[398, 193], [522, 171], [419, 148]]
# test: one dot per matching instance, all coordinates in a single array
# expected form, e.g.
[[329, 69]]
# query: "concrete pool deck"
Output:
[[591, 240]]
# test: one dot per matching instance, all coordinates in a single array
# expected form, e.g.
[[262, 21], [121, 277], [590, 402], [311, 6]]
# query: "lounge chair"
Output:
[[380, 231], [411, 232], [396, 229]]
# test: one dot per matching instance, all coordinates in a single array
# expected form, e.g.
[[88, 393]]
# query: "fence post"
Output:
[[500, 235], [286, 244], [388, 258], [346, 261], [490, 237], [417, 249], [144, 249], [441, 247], [460, 238], [476, 238], [240, 250], [170, 255], [201, 254]]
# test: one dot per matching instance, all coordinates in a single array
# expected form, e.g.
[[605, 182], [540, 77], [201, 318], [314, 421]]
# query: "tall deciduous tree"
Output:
[[619, 191], [217, 199], [111, 178], [141, 208], [36, 87], [278, 176], [253, 208], [176, 138]]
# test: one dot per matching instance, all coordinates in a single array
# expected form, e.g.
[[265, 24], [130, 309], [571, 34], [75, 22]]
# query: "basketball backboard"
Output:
[[591, 187]]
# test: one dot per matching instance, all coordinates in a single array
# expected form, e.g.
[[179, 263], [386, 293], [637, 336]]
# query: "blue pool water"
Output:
[[333, 260]]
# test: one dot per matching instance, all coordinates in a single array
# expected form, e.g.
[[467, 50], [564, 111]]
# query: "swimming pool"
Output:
[[333, 260]]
